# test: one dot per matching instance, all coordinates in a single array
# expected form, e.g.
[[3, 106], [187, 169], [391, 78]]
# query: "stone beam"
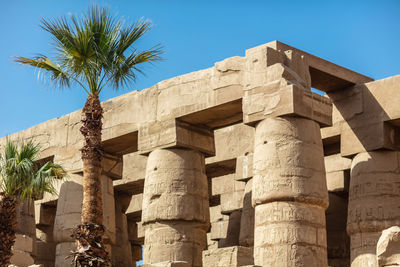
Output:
[[325, 76], [175, 133]]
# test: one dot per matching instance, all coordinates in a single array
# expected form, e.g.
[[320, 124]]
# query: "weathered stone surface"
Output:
[[289, 100], [288, 162], [135, 206], [176, 241], [338, 181], [289, 233], [246, 236], [175, 187], [334, 163], [289, 193], [244, 167], [373, 203], [231, 201], [121, 250], [177, 211], [69, 208], [133, 174], [175, 133], [228, 257], [62, 250], [226, 184], [23, 243], [388, 247], [21, 258], [232, 142]]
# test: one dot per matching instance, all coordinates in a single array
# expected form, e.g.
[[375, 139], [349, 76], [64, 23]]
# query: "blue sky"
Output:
[[360, 35]]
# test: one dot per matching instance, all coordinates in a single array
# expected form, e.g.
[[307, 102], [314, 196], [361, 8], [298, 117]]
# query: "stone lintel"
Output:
[[259, 104], [368, 137], [325, 76], [175, 133]]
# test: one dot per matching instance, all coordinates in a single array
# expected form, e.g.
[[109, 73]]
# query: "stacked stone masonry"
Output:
[[241, 164]]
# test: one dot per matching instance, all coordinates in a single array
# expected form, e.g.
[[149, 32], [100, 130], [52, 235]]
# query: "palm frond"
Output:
[[57, 75], [19, 175], [124, 72], [131, 34]]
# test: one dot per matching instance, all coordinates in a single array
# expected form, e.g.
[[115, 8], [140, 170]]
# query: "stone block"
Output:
[[175, 133], [216, 215], [368, 137], [21, 258], [290, 100], [228, 257], [211, 244], [232, 142], [244, 167], [338, 181], [288, 162], [174, 240], [226, 184], [134, 209], [228, 72], [26, 218], [388, 247], [231, 201], [133, 174], [295, 223], [246, 235], [233, 230], [219, 229], [23, 243], [176, 187], [140, 230], [336, 162], [69, 208], [185, 94], [63, 250]]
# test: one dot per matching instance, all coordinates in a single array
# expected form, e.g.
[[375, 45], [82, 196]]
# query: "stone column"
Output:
[[68, 216], [289, 193], [175, 207], [374, 198], [24, 248], [175, 210]]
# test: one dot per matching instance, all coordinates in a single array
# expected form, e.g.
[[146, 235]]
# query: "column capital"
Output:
[[174, 133]]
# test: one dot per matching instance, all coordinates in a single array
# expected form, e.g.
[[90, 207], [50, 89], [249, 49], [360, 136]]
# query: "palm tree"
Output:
[[93, 51], [20, 179]]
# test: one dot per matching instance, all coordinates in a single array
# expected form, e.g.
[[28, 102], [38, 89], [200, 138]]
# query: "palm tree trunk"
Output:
[[8, 225], [91, 251]]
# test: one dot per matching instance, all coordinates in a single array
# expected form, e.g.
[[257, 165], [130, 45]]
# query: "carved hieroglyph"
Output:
[[177, 212], [289, 194], [374, 198]]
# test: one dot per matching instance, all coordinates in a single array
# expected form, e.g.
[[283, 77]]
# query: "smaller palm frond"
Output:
[[57, 75], [19, 175]]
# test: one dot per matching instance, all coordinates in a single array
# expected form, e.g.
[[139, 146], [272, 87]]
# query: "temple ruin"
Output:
[[241, 164]]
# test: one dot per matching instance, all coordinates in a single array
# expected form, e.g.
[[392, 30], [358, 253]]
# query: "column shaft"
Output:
[[374, 198], [289, 193], [175, 207]]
